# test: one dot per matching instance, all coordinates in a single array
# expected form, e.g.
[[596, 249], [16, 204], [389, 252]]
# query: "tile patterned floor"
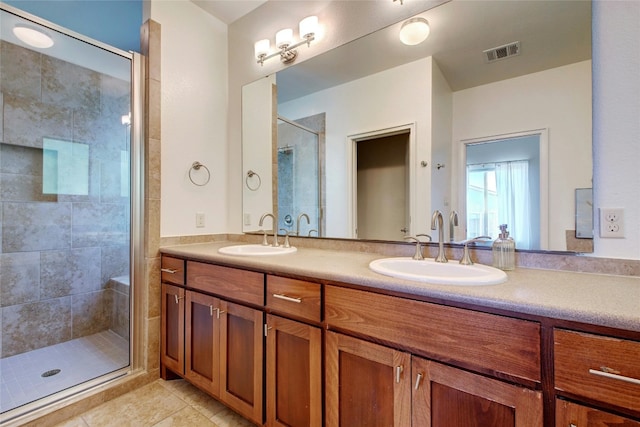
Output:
[[162, 403], [79, 360]]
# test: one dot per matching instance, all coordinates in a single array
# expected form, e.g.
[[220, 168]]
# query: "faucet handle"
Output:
[[425, 235], [265, 242], [466, 258], [286, 238], [418, 253]]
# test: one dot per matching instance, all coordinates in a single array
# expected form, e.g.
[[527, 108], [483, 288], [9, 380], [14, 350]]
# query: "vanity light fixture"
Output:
[[32, 36], [414, 31], [285, 43]]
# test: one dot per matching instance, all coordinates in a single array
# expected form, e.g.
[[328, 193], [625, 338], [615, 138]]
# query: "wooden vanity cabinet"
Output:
[[569, 414], [172, 330], [404, 389], [449, 397], [241, 359], [367, 384], [601, 369], [202, 342], [294, 353]]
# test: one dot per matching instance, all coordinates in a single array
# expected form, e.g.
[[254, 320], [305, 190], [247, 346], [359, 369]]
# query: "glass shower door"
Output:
[[65, 211]]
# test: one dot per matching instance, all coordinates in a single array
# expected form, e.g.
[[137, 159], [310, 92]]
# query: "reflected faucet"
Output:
[[437, 223], [298, 222], [453, 222], [275, 230]]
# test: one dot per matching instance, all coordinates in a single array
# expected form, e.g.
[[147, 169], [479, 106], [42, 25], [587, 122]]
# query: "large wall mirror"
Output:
[[489, 117]]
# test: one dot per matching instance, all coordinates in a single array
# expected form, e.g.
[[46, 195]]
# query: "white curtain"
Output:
[[512, 182]]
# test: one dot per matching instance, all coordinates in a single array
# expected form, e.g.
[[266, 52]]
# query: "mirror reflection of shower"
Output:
[[299, 175]]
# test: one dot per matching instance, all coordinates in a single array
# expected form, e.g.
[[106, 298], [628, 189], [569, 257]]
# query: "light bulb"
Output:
[[284, 38], [262, 48], [33, 36], [308, 26], [414, 31]]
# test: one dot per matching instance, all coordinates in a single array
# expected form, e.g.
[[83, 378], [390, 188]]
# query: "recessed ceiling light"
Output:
[[414, 31], [32, 36]]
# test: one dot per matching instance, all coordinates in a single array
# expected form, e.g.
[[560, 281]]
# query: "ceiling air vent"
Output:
[[502, 52]]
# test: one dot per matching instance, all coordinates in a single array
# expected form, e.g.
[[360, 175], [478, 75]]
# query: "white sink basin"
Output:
[[429, 271], [255, 250]]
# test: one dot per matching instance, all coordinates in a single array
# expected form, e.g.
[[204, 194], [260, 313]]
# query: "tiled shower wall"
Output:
[[297, 187], [58, 252]]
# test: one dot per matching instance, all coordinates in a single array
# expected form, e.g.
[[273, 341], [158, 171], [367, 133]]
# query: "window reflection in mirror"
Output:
[[503, 187]]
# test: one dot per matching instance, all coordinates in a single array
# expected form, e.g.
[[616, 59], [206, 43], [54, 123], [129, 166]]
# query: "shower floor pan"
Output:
[[30, 376]]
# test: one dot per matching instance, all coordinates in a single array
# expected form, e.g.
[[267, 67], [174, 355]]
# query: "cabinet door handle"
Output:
[[608, 373], [169, 270], [418, 380], [287, 298], [399, 370], [266, 329], [177, 298]]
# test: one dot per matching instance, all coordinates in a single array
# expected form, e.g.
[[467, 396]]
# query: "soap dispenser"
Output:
[[504, 250]]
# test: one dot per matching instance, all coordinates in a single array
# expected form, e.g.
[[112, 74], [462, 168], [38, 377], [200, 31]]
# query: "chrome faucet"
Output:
[[275, 230], [437, 223], [302, 215], [453, 222], [466, 258]]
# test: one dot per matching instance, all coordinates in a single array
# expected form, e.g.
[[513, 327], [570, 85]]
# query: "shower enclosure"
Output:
[[65, 214], [299, 175]]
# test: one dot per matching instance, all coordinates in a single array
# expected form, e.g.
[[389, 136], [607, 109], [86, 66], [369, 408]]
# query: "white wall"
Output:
[[257, 154], [380, 101], [194, 117], [616, 124], [557, 99]]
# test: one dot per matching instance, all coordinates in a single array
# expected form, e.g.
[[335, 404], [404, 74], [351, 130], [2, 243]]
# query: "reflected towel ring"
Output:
[[251, 174], [196, 166]]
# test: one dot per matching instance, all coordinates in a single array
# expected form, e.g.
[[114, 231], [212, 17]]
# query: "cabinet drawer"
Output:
[[295, 297], [172, 270], [572, 414], [598, 367], [245, 286], [486, 342]]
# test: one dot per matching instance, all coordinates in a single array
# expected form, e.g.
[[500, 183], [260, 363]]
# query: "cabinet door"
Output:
[[448, 397], [241, 358], [203, 342], [367, 384], [294, 376], [573, 415], [172, 330]]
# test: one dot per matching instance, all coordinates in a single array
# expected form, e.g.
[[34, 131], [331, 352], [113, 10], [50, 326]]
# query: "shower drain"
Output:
[[50, 373]]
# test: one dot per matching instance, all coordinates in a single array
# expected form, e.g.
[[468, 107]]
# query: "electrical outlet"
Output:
[[612, 222], [199, 219]]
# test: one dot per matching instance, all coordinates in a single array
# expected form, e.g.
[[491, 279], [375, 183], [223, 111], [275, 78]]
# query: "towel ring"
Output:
[[251, 174], [196, 166]]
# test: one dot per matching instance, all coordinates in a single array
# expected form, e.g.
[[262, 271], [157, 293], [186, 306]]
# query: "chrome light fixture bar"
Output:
[[284, 42]]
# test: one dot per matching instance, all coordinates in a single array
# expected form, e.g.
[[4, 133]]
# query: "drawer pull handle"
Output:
[[418, 380], [177, 298], [286, 298], [399, 370], [169, 270], [606, 372]]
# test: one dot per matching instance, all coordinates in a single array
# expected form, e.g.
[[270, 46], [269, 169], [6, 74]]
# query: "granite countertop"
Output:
[[599, 299]]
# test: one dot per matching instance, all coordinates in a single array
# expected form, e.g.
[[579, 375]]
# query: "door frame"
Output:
[[543, 134], [352, 171]]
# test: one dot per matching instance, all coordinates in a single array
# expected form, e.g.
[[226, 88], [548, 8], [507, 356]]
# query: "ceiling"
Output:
[[228, 10], [551, 34]]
